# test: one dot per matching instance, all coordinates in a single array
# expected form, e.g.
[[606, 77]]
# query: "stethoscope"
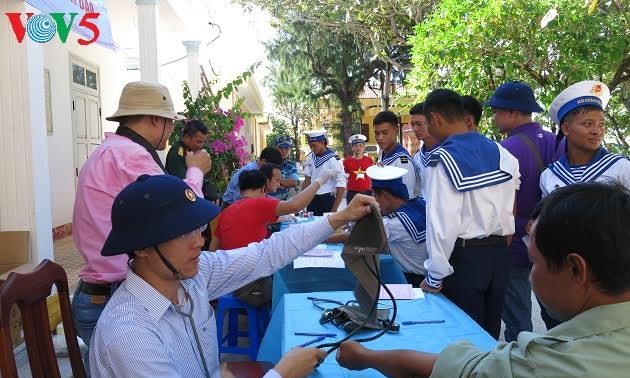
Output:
[[194, 329]]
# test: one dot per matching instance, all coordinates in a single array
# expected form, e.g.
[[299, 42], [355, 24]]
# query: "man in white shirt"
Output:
[[471, 184], [159, 322], [320, 159]]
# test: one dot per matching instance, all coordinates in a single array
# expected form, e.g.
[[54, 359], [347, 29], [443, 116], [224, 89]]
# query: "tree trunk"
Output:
[[296, 137], [386, 87], [346, 127]]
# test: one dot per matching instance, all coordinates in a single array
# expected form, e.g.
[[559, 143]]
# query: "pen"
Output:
[[315, 334], [411, 322], [313, 341]]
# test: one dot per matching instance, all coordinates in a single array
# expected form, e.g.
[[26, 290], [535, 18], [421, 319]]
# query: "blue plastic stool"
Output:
[[257, 321]]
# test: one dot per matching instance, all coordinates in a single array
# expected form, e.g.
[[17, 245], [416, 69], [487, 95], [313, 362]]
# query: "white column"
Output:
[[147, 37], [25, 203], [194, 72]]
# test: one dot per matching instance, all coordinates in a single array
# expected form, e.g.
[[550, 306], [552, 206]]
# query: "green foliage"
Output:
[[472, 46], [279, 127], [331, 65], [228, 150]]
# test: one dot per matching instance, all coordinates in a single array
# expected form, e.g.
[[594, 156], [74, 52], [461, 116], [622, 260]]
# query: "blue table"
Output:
[[297, 314], [306, 280]]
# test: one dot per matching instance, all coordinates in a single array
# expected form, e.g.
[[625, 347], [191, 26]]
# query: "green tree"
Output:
[[472, 46], [384, 25], [278, 127], [338, 66]]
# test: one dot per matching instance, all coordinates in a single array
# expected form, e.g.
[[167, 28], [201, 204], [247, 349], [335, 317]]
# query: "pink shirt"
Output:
[[116, 163]]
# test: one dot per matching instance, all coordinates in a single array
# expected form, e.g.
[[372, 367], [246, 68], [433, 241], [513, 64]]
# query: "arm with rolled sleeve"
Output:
[[444, 213], [226, 271]]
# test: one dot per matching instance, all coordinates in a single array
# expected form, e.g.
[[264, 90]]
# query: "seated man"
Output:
[[267, 155], [159, 322], [404, 221], [579, 250]]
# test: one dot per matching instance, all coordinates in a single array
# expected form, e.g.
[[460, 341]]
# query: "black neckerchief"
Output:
[[137, 138]]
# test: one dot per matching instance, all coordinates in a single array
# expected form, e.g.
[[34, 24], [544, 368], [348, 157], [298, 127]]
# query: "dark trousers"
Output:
[[478, 284], [321, 203], [414, 279], [351, 193]]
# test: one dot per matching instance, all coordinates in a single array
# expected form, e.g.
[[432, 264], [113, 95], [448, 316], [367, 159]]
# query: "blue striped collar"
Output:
[[424, 154], [590, 172], [397, 152], [471, 161], [321, 159], [412, 215]]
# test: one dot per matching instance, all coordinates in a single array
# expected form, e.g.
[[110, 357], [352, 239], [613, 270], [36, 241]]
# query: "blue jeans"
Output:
[[517, 308], [86, 309]]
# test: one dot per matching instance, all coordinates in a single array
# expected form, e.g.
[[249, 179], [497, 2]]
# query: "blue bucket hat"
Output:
[[514, 95], [154, 210], [284, 141]]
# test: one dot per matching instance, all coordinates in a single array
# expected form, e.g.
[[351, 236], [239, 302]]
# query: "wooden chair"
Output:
[[29, 291]]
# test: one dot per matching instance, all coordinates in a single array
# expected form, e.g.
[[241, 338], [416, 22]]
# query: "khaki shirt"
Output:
[[595, 343]]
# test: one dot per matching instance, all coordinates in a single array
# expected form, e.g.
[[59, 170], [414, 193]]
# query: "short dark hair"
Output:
[[593, 220], [253, 179], [267, 170], [271, 155], [386, 190], [417, 109], [473, 107], [194, 126], [446, 102], [386, 117], [579, 110]]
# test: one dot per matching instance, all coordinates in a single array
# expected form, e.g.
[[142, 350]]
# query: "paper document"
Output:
[[333, 261], [319, 251], [401, 291]]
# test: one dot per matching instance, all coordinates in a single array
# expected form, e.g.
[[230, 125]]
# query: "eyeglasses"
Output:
[[192, 234]]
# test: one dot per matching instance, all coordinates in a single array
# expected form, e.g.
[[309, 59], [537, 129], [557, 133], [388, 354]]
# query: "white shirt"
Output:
[[141, 335], [472, 214], [617, 172], [312, 171], [410, 179], [409, 254]]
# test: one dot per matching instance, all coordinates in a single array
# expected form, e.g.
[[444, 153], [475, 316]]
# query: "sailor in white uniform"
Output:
[[418, 124], [579, 110], [321, 158], [471, 185], [393, 153], [404, 220]]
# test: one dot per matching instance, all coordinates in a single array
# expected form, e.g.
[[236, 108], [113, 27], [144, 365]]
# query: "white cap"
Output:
[[584, 93], [315, 135], [357, 138], [385, 173]]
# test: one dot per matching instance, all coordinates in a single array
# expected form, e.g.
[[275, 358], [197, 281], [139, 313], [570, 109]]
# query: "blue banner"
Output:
[[81, 7]]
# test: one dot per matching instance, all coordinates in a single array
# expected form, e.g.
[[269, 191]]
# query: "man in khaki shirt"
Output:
[[580, 250]]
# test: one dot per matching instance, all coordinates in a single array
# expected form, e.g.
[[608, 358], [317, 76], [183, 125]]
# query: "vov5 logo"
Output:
[[42, 27]]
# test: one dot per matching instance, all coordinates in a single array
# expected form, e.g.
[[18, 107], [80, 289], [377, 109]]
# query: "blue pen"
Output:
[[313, 341], [315, 334], [411, 322]]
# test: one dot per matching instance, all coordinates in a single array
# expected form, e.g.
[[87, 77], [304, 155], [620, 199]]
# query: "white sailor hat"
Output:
[[584, 93], [357, 138], [315, 135], [389, 177]]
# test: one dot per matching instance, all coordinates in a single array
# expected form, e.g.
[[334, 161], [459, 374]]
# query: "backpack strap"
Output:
[[534, 150]]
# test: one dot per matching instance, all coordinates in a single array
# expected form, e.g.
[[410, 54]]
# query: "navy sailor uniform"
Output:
[[325, 196], [401, 158]]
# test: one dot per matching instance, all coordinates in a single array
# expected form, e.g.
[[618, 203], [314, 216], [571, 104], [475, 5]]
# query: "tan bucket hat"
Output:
[[145, 98]]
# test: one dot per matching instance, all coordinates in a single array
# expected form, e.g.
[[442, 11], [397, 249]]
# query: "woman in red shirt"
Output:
[[355, 166]]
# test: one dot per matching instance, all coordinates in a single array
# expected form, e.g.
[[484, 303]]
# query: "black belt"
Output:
[[490, 240], [325, 194], [98, 289]]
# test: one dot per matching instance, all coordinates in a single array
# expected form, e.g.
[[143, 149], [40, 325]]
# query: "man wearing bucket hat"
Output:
[[579, 111], [355, 167], [145, 114], [512, 106], [159, 323], [288, 170]]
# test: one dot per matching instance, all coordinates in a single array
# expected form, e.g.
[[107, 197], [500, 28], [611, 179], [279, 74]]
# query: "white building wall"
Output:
[[61, 143]]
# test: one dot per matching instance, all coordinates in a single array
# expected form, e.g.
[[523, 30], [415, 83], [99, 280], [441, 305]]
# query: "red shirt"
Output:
[[358, 181], [245, 221]]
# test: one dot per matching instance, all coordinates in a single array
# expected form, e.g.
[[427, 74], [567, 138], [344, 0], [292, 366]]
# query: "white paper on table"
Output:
[[319, 251], [399, 291], [333, 261]]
